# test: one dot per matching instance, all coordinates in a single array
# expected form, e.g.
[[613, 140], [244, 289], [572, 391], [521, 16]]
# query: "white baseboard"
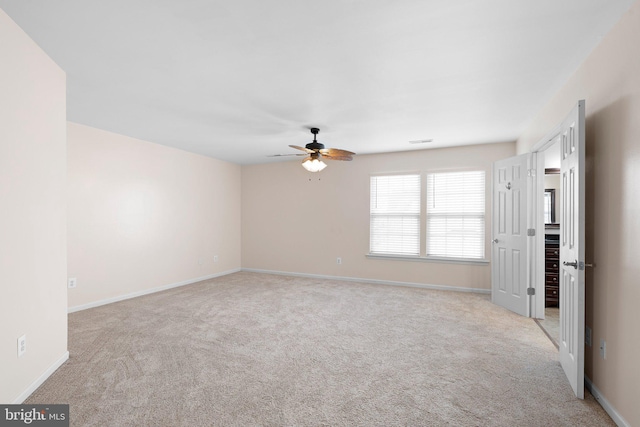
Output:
[[41, 379], [373, 281], [148, 291], [615, 415]]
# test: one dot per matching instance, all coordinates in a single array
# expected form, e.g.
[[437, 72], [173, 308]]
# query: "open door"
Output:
[[572, 246], [571, 136], [509, 252], [513, 262]]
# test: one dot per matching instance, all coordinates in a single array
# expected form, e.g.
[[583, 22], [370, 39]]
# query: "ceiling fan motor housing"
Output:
[[315, 145]]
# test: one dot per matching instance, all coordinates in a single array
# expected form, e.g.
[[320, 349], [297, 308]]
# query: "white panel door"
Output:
[[509, 257], [572, 245]]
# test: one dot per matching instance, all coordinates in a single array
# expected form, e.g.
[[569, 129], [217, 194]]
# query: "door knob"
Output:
[[573, 264], [494, 241]]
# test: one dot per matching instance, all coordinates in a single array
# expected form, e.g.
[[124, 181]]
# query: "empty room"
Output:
[[337, 213]]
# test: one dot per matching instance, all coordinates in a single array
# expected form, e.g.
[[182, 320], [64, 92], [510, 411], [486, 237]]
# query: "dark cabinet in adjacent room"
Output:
[[552, 269]]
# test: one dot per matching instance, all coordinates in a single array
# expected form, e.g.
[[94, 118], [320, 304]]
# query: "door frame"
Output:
[[537, 244]]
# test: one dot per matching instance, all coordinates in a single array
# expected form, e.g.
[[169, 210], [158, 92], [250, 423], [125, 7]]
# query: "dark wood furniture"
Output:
[[552, 270]]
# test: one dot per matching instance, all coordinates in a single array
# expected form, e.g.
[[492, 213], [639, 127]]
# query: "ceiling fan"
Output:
[[315, 151]]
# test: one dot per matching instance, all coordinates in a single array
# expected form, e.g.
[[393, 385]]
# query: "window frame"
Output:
[[423, 219], [419, 215], [462, 215]]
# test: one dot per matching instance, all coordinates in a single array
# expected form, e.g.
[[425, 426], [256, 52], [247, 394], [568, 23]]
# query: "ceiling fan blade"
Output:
[[328, 157], [286, 155], [336, 152], [306, 150]]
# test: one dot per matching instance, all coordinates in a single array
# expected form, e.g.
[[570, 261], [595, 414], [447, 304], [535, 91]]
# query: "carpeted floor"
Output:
[[262, 350], [551, 324]]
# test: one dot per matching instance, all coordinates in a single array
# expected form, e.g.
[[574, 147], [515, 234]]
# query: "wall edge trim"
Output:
[[608, 407], [372, 281], [41, 379], [148, 291]]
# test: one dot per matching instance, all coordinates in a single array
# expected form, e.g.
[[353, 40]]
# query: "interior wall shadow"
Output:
[[606, 130]]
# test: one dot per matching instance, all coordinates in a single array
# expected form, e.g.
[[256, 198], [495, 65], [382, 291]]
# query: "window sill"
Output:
[[446, 260]]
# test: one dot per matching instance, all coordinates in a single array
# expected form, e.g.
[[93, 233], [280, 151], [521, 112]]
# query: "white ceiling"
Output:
[[240, 80]]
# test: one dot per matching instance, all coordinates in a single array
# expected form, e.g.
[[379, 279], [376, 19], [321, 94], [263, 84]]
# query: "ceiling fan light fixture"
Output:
[[313, 164]]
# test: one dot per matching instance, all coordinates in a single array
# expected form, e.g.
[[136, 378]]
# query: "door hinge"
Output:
[[531, 172], [531, 232], [531, 291]]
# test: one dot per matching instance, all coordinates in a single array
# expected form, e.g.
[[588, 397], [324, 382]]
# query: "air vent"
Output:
[[421, 141]]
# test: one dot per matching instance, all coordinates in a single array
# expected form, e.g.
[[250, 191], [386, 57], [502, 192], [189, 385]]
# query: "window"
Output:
[[395, 215], [455, 214]]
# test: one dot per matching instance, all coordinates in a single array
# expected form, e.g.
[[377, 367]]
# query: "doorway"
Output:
[[551, 197]]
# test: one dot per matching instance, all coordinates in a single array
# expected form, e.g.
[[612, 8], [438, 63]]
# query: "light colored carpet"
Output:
[[551, 324], [260, 350]]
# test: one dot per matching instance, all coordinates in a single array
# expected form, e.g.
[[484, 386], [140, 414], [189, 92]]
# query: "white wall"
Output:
[[609, 81], [143, 216], [298, 222], [33, 251]]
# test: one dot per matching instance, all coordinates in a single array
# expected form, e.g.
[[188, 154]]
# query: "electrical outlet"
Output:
[[200, 261], [215, 258], [587, 336], [72, 282], [338, 260], [603, 348], [22, 345]]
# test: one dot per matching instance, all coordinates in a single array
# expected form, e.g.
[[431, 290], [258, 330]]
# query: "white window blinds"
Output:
[[455, 214], [395, 215]]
